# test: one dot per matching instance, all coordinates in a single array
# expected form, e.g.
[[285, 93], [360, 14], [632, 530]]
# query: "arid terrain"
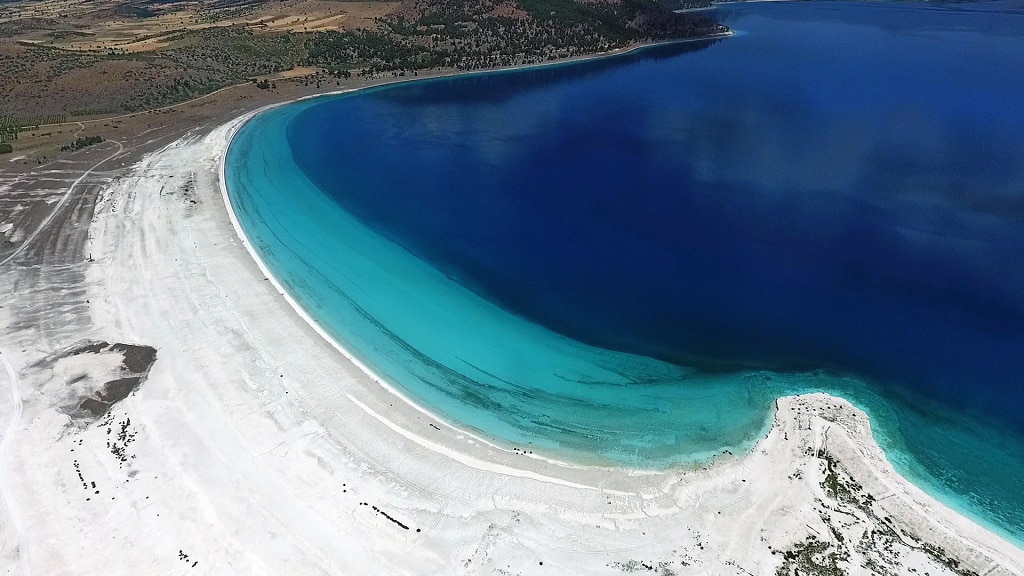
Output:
[[63, 63]]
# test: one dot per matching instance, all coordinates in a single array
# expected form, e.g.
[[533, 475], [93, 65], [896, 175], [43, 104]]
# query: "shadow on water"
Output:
[[500, 86]]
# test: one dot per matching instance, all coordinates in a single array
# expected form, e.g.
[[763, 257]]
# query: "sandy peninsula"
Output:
[[165, 410]]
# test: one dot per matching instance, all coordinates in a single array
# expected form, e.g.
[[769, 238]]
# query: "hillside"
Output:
[[59, 57]]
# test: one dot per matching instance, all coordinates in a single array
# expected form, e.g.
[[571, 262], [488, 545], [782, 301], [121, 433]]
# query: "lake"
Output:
[[625, 261]]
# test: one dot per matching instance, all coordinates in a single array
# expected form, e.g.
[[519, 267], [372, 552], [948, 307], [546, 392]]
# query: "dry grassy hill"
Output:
[[100, 57]]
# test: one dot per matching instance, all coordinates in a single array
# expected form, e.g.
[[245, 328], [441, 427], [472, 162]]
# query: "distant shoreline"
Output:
[[425, 75], [457, 73]]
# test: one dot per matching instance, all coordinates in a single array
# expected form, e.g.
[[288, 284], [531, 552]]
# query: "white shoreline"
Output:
[[257, 449], [236, 125], [454, 455], [239, 122]]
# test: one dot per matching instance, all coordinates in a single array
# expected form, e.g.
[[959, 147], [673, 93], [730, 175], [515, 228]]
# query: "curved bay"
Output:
[[626, 261]]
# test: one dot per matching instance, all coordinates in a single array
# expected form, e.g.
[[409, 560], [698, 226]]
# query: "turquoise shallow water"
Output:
[[423, 315]]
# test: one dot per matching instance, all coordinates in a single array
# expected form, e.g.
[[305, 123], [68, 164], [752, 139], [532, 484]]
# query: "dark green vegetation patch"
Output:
[[474, 35], [80, 143]]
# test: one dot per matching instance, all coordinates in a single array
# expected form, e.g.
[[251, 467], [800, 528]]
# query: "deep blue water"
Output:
[[831, 200]]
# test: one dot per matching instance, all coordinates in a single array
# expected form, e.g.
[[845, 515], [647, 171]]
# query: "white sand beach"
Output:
[[252, 446]]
